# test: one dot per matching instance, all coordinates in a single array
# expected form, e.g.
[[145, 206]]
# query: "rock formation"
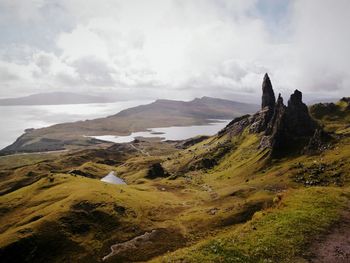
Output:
[[156, 170], [290, 126], [284, 128], [319, 142], [261, 119], [298, 118], [268, 96]]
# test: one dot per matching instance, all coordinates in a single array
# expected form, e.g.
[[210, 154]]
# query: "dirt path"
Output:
[[335, 246]]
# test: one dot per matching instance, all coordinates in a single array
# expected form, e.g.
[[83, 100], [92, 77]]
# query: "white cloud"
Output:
[[197, 47], [322, 43], [21, 10]]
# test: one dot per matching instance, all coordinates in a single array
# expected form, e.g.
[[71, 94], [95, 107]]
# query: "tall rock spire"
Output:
[[268, 101], [268, 96], [299, 121]]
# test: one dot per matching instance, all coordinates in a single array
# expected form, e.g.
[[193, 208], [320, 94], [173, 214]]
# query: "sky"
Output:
[[175, 49]]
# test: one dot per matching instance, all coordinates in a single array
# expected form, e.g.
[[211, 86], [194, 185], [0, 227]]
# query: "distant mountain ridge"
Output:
[[160, 113], [54, 98], [205, 108]]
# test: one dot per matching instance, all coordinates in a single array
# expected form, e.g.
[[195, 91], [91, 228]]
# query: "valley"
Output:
[[265, 188]]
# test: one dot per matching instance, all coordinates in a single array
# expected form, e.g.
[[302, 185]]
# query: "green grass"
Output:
[[245, 208], [279, 234]]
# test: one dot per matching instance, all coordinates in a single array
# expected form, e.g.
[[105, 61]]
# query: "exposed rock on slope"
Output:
[[261, 119], [298, 118], [268, 97], [332, 111], [320, 141], [285, 128], [156, 170], [290, 126]]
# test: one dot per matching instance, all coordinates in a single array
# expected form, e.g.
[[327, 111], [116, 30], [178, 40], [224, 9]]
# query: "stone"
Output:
[[285, 128], [260, 120], [318, 142], [156, 170], [299, 121], [268, 96]]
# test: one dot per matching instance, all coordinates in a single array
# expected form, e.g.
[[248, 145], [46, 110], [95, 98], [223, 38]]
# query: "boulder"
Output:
[[156, 170]]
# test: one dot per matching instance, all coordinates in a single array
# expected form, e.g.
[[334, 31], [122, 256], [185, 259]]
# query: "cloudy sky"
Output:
[[176, 49]]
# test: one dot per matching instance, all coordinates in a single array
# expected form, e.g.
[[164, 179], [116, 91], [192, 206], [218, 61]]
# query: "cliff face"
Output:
[[260, 120], [290, 126], [284, 128], [268, 96]]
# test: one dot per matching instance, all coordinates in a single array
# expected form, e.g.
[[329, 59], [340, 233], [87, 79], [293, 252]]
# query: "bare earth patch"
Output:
[[335, 246]]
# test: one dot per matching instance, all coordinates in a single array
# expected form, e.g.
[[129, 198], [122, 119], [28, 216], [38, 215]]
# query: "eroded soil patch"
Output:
[[335, 246]]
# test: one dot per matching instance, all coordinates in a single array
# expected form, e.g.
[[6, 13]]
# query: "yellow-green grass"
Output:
[[87, 216], [57, 204], [19, 160], [279, 234]]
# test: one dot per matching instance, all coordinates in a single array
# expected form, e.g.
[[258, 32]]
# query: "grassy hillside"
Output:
[[220, 199]]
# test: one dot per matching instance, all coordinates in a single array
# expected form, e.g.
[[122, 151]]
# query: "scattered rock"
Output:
[[156, 170], [236, 125], [319, 174], [319, 142], [145, 246], [213, 211], [81, 173]]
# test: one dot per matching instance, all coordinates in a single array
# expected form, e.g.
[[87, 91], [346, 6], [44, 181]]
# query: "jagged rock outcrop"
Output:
[[290, 127], [260, 120], [236, 126], [277, 116], [275, 132], [285, 128], [299, 120], [156, 170], [268, 96], [320, 141]]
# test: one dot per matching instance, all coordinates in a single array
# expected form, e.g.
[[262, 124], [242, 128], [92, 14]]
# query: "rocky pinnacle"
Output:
[[295, 98], [268, 96]]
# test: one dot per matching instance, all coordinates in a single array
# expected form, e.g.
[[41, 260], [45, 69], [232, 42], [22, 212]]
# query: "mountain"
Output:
[[161, 113], [273, 186], [53, 98]]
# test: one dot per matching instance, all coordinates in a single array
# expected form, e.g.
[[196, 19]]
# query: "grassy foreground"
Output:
[[279, 234]]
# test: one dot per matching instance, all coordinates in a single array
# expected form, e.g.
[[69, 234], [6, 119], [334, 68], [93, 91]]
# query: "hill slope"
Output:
[[161, 113], [226, 198]]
